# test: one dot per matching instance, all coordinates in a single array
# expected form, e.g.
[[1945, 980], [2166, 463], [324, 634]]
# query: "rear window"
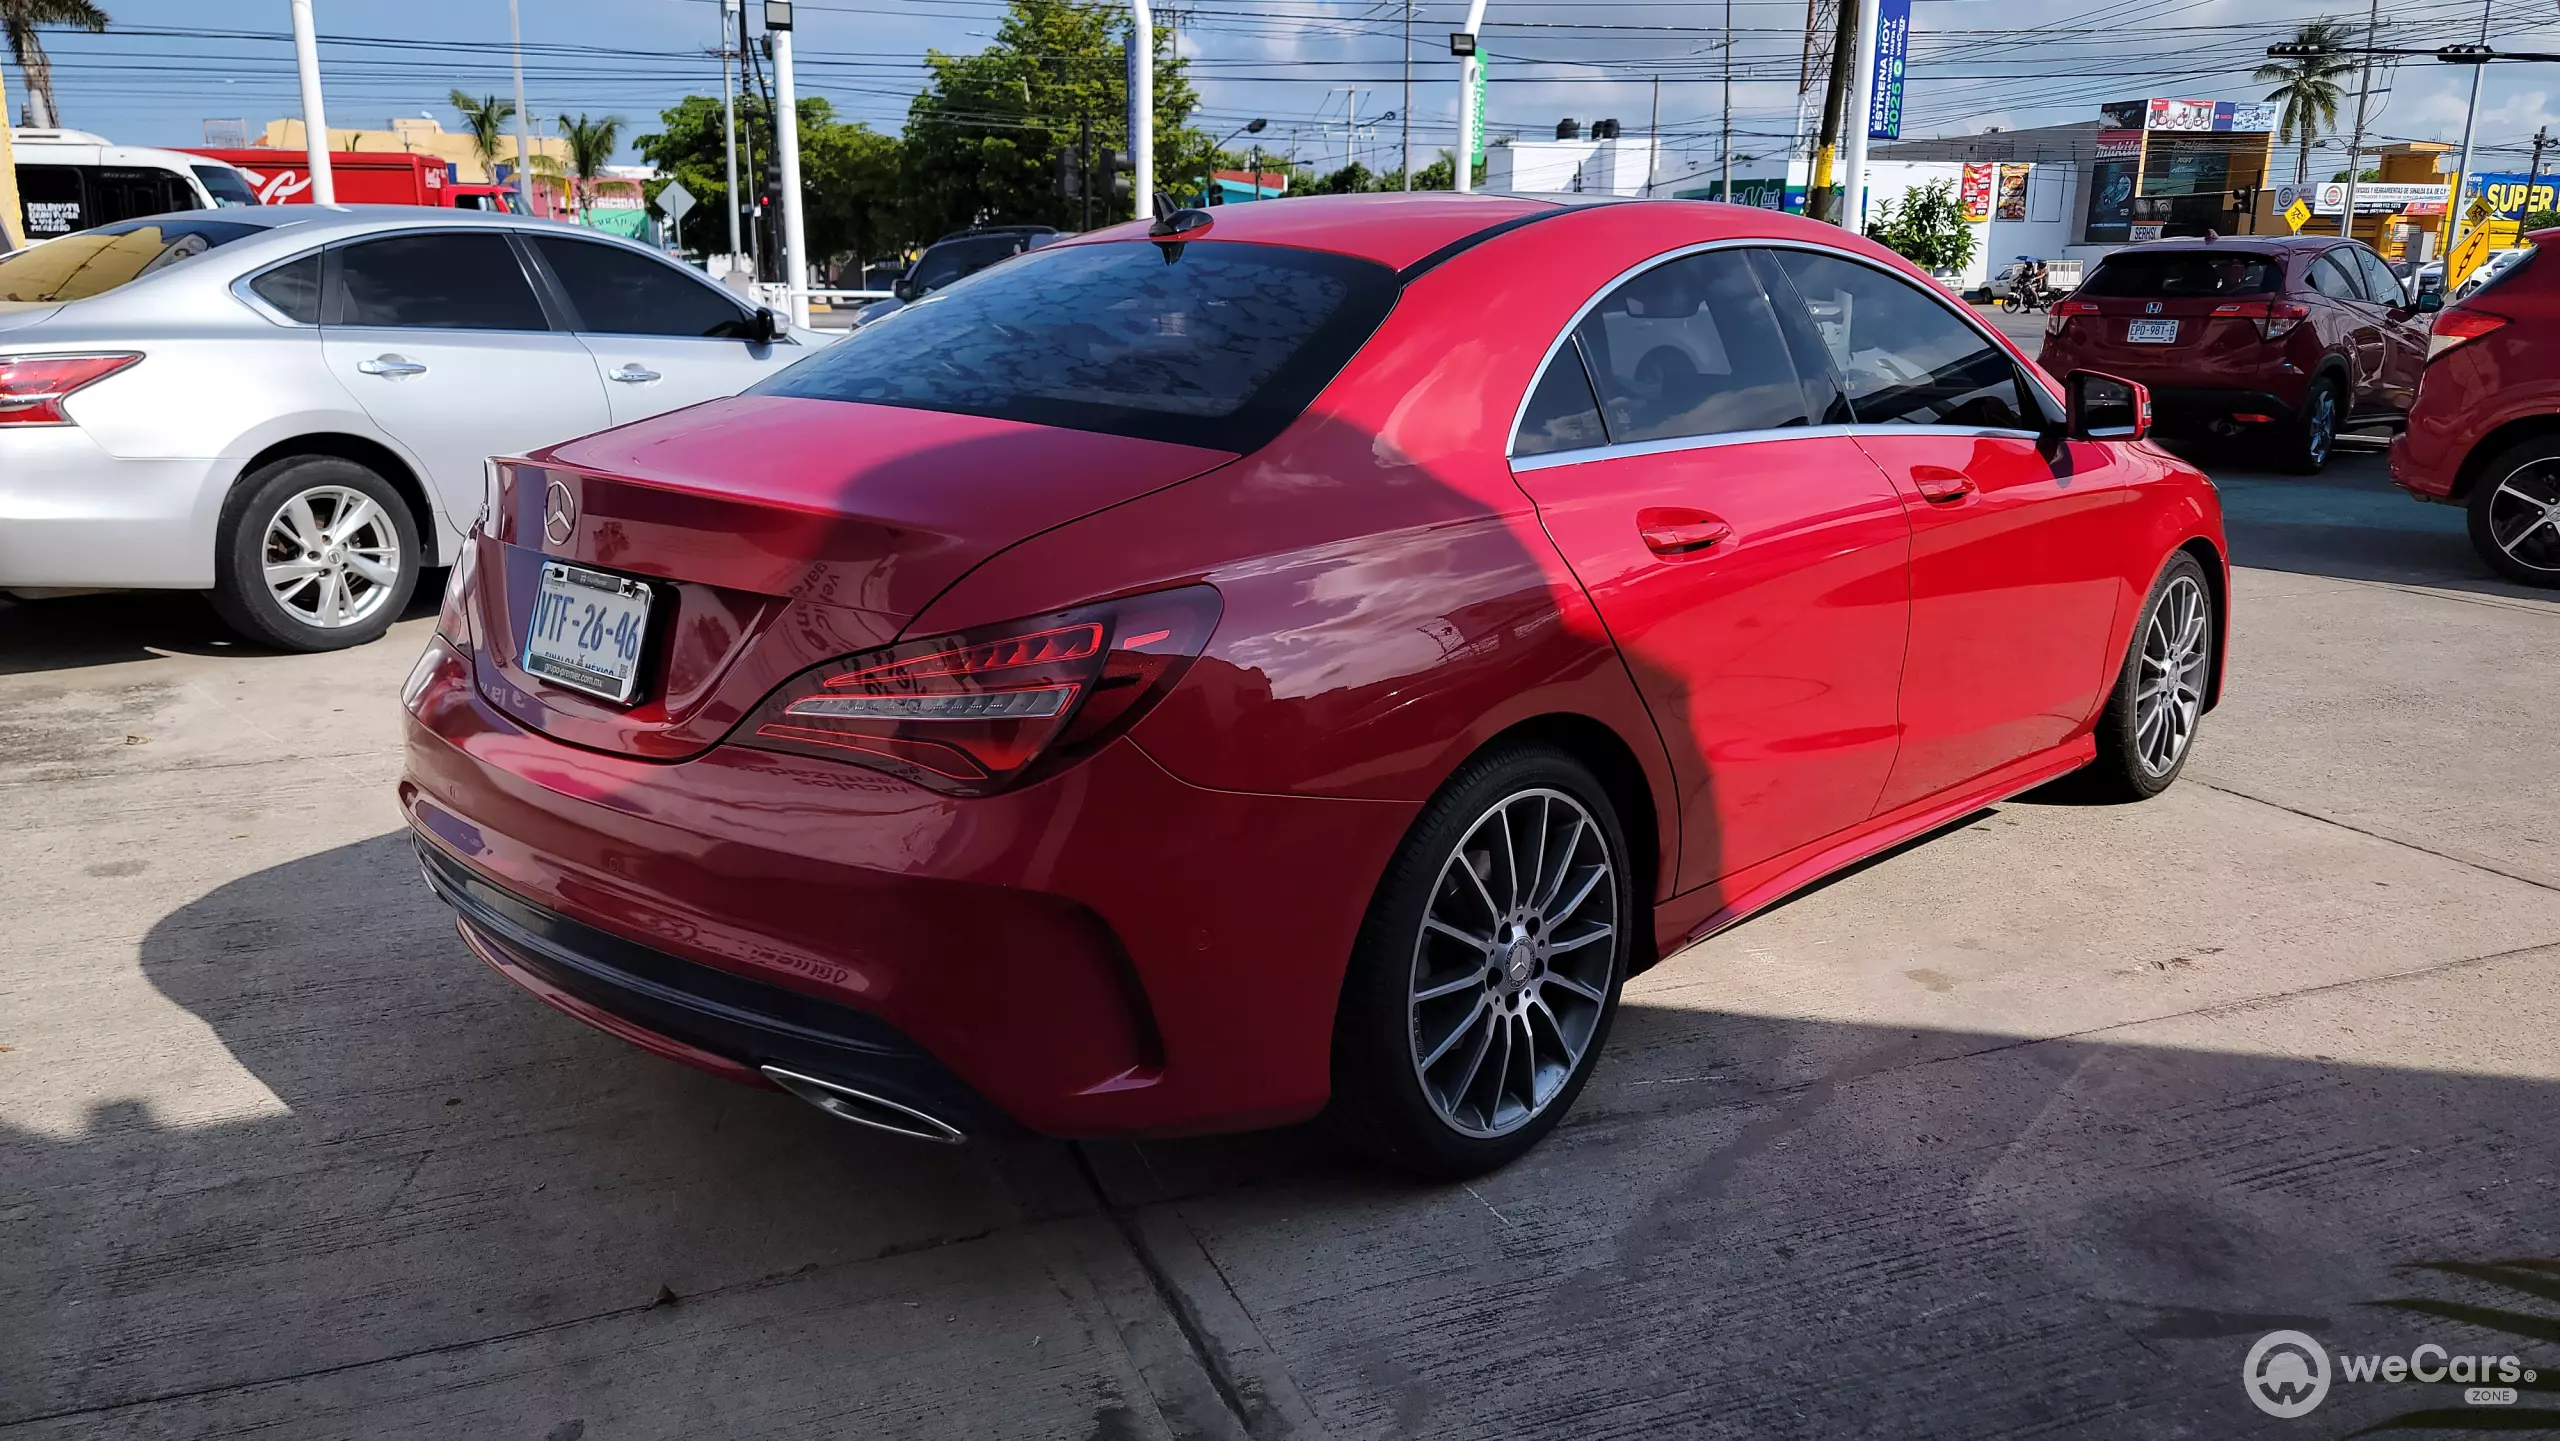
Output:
[[1212, 344], [2197, 273], [93, 262]]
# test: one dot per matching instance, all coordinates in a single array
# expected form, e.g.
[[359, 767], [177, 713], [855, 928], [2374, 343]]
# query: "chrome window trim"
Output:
[[240, 290], [1520, 412], [1522, 465]]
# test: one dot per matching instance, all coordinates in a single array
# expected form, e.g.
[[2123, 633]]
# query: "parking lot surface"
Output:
[[2030, 1128]]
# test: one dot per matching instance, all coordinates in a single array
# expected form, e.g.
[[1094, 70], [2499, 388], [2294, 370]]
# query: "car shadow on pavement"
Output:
[[353, 1182], [76, 631]]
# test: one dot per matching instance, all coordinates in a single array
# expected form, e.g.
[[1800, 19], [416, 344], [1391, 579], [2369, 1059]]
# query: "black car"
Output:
[[954, 256]]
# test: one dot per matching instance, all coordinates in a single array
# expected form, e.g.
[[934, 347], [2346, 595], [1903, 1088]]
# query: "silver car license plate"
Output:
[[587, 632], [2152, 332]]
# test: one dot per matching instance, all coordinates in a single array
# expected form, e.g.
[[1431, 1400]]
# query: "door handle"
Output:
[[393, 366], [1676, 531], [632, 375], [1939, 485]]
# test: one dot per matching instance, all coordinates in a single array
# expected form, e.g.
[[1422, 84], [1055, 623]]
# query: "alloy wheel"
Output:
[[331, 557], [2321, 426], [1512, 963], [2170, 691], [2524, 515]]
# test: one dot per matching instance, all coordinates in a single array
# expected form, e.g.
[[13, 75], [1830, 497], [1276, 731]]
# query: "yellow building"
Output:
[[423, 136]]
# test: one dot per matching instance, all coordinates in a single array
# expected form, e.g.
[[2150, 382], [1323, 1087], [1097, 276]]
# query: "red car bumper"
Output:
[[1110, 952]]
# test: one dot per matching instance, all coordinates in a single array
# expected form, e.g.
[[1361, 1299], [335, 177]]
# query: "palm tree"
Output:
[[591, 146], [2308, 88], [486, 118], [21, 17]]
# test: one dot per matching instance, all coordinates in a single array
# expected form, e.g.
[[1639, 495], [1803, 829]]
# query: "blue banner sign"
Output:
[[1893, 49]]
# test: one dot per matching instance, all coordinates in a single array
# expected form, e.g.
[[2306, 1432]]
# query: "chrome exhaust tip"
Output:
[[863, 1109]]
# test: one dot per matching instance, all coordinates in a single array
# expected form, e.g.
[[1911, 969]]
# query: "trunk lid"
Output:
[[774, 533]]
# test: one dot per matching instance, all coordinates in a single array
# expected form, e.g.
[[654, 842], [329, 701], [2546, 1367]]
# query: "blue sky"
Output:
[[1303, 64]]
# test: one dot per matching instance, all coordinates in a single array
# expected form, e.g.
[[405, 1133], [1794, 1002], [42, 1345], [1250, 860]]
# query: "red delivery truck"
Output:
[[283, 177]]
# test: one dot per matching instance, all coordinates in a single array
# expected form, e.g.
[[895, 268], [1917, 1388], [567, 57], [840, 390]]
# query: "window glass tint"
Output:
[[225, 185], [1215, 344], [1903, 357], [94, 262], [2332, 279], [621, 292], [2172, 274], [130, 194], [293, 288], [1691, 348], [52, 200], [1804, 342], [1563, 414], [953, 259], [443, 281], [2380, 285]]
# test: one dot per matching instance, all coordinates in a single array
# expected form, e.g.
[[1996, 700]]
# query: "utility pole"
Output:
[[2355, 147], [1469, 68], [2470, 121], [524, 145], [315, 119], [10, 239], [2533, 167], [1727, 145], [1142, 106], [786, 135], [1853, 141], [729, 122], [1835, 102], [1653, 137], [1408, 106]]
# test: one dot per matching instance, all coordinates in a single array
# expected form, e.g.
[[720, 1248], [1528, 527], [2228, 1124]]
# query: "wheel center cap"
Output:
[[1518, 963]]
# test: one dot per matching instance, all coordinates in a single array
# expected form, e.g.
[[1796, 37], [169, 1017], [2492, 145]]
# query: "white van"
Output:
[[71, 180]]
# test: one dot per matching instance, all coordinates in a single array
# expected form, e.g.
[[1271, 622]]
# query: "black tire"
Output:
[[2500, 499], [2126, 767], [2313, 436], [245, 546], [1380, 1104]]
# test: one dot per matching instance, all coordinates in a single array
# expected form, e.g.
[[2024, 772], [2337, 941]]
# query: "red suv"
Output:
[[2288, 338], [2485, 432]]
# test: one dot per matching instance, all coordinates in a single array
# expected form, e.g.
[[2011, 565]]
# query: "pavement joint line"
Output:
[[2496, 600], [1205, 1352], [2460, 858]]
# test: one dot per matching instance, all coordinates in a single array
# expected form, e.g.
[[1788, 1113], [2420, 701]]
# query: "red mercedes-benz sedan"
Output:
[[1299, 657]]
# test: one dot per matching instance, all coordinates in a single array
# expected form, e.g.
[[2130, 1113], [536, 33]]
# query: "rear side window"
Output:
[[443, 280], [1562, 414], [1210, 343], [293, 288], [2184, 273], [619, 292], [1901, 356], [1691, 347], [94, 262]]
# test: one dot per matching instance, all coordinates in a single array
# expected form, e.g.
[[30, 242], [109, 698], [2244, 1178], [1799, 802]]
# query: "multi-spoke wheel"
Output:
[[1488, 969], [317, 553], [2315, 431], [2149, 726], [2515, 513]]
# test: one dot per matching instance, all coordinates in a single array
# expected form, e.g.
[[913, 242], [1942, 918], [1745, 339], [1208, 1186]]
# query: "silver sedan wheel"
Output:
[[2524, 515], [2170, 691], [1512, 964], [332, 557]]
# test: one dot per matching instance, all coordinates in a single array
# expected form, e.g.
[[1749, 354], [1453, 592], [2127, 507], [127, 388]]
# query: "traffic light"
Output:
[[1071, 171], [773, 178], [1119, 165]]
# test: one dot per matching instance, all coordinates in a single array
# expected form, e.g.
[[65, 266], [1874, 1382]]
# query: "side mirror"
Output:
[[2428, 302], [765, 328], [907, 291], [2104, 408]]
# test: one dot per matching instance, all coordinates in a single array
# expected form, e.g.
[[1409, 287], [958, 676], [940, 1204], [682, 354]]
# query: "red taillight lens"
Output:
[[32, 388], [2460, 327], [971, 714], [2275, 317], [2058, 318]]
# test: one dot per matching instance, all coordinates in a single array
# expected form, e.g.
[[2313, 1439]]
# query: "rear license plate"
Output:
[[2152, 332], [587, 631]]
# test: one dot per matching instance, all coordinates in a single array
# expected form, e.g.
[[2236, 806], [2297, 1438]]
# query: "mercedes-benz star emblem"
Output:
[[559, 514]]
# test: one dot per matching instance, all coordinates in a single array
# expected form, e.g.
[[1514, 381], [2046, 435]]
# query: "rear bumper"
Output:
[[1109, 952], [74, 516], [2194, 405]]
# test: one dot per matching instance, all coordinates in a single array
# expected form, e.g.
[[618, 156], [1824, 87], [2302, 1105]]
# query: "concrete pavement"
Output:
[[2029, 1129]]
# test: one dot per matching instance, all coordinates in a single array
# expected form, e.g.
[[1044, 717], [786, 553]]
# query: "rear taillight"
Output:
[[2458, 328], [2275, 317], [2058, 319], [33, 387], [973, 713]]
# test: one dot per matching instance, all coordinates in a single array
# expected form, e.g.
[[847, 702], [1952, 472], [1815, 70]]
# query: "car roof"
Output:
[[312, 223], [2268, 244], [1394, 229]]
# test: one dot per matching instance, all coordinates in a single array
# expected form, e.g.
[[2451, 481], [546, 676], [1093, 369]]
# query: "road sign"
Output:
[[2475, 248], [2285, 196], [674, 201], [2298, 214]]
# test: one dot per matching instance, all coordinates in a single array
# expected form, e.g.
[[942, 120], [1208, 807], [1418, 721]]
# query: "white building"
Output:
[[1605, 164]]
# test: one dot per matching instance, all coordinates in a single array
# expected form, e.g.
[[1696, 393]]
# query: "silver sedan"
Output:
[[291, 408]]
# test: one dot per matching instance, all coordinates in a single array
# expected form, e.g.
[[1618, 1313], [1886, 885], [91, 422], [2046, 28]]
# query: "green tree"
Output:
[[486, 118], [20, 18], [2308, 88], [984, 139], [849, 173], [591, 147], [1926, 227]]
